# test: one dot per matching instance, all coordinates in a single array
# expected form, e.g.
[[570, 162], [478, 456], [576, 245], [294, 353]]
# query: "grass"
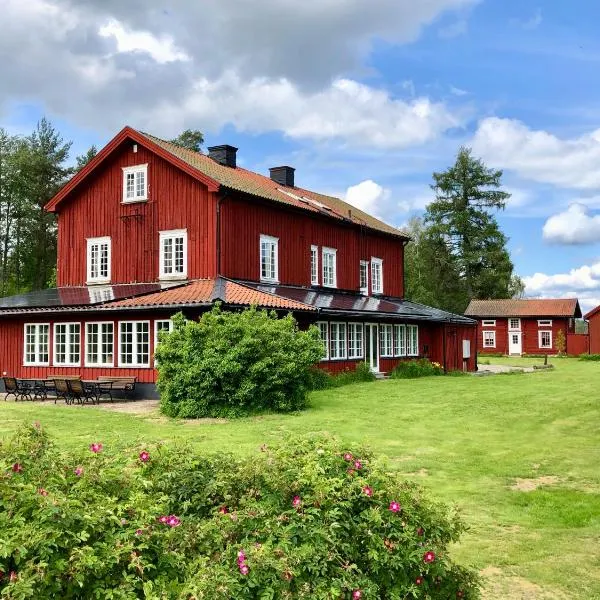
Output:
[[475, 442]]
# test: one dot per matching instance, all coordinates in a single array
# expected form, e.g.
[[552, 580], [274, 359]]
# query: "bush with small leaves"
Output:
[[307, 519], [411, 369]]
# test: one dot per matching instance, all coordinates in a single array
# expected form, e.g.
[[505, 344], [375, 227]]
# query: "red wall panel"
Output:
[[175, 201], [243, 222], [578, 343], [594, 331]]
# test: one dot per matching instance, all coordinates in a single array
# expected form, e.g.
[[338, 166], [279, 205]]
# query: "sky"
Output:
[[365, 99]]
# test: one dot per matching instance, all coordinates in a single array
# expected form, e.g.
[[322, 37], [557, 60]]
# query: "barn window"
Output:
[[329, 267], [377, 275], [135, 183], [324, 332], [338, 341], [489, 322], [37, 344], [545, 339], [99, 338], [269, 259], [489, 339], [67, 344], [355, 340], [173, 254], [314, 265], [98, 260], [134, 344], [412, 334], [386, 343], [399, 340], [364, 277], [545, 323]]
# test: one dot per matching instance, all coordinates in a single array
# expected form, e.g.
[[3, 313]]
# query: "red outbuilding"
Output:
[[593, 319], [527, 326], [148, 229]]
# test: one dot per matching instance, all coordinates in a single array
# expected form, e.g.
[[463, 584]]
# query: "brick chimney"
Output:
[[225, 155]]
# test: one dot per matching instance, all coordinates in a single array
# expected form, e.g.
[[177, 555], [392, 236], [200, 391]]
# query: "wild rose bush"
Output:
[[230, 364], [308, 519]]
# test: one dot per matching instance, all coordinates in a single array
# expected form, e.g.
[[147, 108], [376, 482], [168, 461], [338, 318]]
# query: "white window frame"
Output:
[[540, 339], [364, 289], [173, 235], [100, 343], [135, 342], [68, 334], [314, 265], [376, 270], [338, 342], [169, 328], [412, 350], [325, 254], [400, 349], [324, 329], [356, 341], [487, 336], [511, 328], [269, 239], [37, 328], [488, 323], [135, 170], [386, 341], [545, 323], [99, 241]]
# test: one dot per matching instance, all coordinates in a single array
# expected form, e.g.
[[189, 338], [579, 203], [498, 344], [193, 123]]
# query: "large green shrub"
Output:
[[322, 380], [411, 369], [229, 364], [591, 357], [310, 519]]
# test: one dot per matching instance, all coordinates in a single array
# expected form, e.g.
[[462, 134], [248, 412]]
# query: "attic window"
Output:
[[135, 183]]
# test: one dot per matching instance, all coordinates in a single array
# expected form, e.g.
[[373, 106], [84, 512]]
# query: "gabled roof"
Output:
[[592, 313], [546, 307], [217, 176]]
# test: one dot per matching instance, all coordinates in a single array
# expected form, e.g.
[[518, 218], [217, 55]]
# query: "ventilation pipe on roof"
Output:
[[283, 175], [225, 155]]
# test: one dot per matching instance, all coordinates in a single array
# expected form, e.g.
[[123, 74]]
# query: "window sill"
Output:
[[36, 365], [93, 282], [172, 278], [275, 281], [66, 365], [93, 366], [133, 367], [136, 201], [331, 287]]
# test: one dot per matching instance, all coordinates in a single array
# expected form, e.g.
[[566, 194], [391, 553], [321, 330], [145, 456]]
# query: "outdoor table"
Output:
[[37, 385], [101, 387]]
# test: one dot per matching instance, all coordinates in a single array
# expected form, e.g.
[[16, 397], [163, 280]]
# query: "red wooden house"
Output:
[[148, 229], [526, 326], [593, 319]]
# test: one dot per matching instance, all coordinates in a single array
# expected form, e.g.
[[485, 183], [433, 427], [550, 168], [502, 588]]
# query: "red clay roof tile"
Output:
[[568, 307]]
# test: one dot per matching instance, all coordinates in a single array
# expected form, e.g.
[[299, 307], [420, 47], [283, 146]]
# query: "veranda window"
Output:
[[37, 344], [355, 340], [386, 340], [134, 344], [412, 333], [99, 344], [67, 344], [338, 341]]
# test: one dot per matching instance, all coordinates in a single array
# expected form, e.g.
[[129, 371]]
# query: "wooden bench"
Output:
[[121, 384]]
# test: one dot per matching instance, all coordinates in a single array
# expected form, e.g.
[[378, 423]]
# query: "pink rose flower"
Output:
[[95, 448], [419, 580], [357, 465], [78, 471], [367, 491], [163, 519], [244, 569], [144, 456], [173, 521], [296, 502], [17, 468], [241, 556], [429, 557], [348, 456], [139, 532], [356, 595], [395, 507], [42, 492]]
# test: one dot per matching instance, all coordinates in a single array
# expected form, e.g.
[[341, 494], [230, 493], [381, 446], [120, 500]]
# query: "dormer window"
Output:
[[98, 260], [135, 183], [377, 275], [173, 254]]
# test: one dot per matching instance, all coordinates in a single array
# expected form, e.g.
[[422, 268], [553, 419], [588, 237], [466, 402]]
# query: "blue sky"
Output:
[[366, 100]]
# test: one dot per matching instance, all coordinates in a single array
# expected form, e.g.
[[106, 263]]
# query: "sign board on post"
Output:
[[466, 349]]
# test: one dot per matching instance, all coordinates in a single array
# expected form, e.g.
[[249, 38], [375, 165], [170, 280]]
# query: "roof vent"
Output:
[[283, 175], [225, 155]]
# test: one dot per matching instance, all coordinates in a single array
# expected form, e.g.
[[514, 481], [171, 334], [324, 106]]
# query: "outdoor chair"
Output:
[[21, 390], [10, 387], [80, 392], [62, 391]]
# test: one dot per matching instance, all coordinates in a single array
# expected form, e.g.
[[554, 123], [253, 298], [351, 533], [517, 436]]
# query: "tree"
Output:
[[459, 218], [192, 139], [84, 159]]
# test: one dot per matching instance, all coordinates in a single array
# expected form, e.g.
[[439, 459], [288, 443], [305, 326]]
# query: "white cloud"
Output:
[[575, 226], [456, 29], [368, 196], [162, 49], [539, 155]]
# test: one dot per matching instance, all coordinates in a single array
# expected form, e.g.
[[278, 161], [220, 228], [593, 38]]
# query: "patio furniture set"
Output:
[[73, 390]]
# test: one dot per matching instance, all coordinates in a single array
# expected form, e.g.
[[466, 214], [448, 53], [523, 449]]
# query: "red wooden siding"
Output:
[[594, 332], [175, 201], [243, 222], [578, 343]]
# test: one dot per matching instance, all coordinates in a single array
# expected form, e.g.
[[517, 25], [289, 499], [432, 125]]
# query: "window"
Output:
[[545, 323], [386, 340], [545, 339], [355, 340], [329, 267], [338, 341], [489, 339], [412, 336], [324, 331], [399, 340], [67, 344], [99, 344], [134, 343], [164, 325], [173, 254], [364, 277], [489, 323], [314, 265], [514, 324], [135, 183], [36, 350], [98, 260], [377, 276], [269, 258]]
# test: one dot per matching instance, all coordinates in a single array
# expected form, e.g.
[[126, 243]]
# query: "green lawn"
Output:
[[467, 439]]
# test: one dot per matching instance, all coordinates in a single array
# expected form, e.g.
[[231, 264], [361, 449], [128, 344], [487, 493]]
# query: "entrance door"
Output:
[[514, 342], [372, 346]]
